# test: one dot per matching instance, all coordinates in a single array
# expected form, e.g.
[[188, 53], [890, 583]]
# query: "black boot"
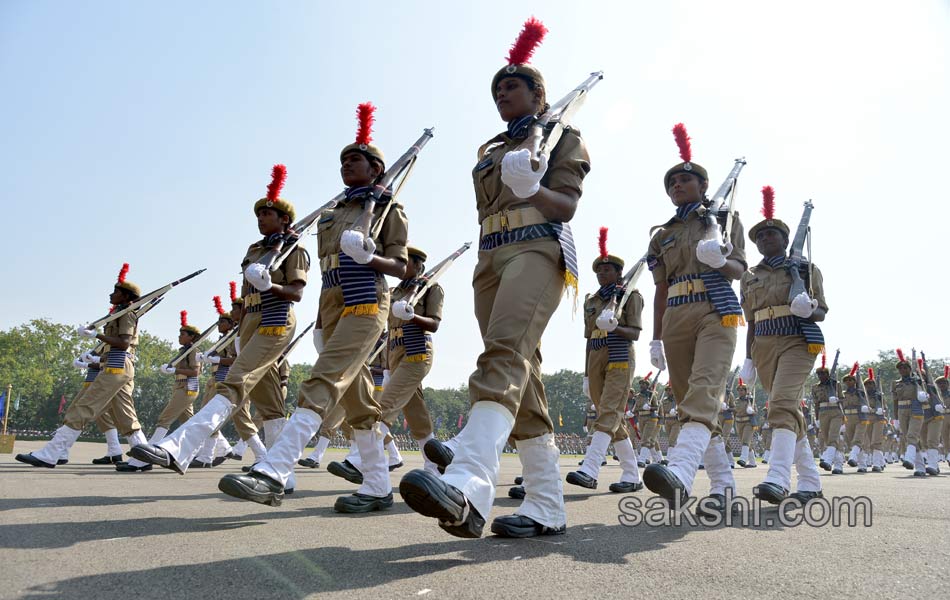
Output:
[[32, 460], [519, 526], [155, 455], [516, 492], [107, 460], [431, 497], [660, 480], [124, 467], [308, 462], [255, 487], [625, 487], [438, 453], [519, 480], [346, 470], [804, 497], [713, 507], [582, 479], [361, 503], [824, 465], [770, 492]]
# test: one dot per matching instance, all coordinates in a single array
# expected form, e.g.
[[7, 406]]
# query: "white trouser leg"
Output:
[[284, 454], [373, 462], [272, 429], [353, 456], [744, 455], [717, 466], [853, 455], [206, 452], [158, 435], [595, 454], [113, 447], [686, 455], [828, 455], [318, 452], [474, 470], [628, 461], [257, 448], [240, 448], [644, 454], [910, 454], [221, 445], [62, 441], [919, 460], [394, 456], [839, 460], [782, 455], [184, 442], [427, 464], [544, 493], [877, 459], [137, 438], [932, 460], [809, 478]]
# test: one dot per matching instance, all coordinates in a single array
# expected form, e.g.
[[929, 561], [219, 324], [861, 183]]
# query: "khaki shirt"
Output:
[[820, 392], [762, 287], [673, 246], [630, 317], [190, 362], [648, 398], [294, 268], [851, 402], [392, 238], [568, 164], [741, 405], [127, 324], [227, 352], [430, 305]]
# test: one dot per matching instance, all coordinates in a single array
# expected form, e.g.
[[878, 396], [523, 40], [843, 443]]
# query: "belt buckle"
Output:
[[771, 313], [504, 221], [689, 287]]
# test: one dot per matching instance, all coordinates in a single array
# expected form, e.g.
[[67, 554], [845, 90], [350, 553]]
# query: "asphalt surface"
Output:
[[84, 531]]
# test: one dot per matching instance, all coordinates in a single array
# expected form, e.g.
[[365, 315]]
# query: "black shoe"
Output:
[[625, 487], [741, 463], [702, 467], [233, 456], [308, 462], [852, 462], [519, 480], [395, 466], [347, 471], [198, 464], [107, 460], [155, 455], [640, 464], [837, 472], [908, 465], [930, 471], [124, 467], [431, 497], [920, 474], [519, 526], [616, 458], [661, 481], [580, 462], [247, 468], [862, 470], [751, 465], [361, 503], [32, 460], [877, 470], [516, 492], [62, 461], [438, 453], [804, 497], [603, 464], [713, 506], [770, 492], [582, 479], [255, 487], [824, 465], [217, 461], [664, 462]]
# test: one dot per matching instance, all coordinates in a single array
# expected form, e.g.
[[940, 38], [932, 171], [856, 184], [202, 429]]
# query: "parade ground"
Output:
[[84, 531]]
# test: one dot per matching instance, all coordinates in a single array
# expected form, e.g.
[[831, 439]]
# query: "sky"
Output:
[[144, 132]]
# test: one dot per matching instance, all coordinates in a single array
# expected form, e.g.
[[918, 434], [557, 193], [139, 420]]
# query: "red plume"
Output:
[[920, 365], [871, 373], [277, 178], [184, 318], [529, 38], [900, 355], [602, 242], [648, 375], [233, 286], [768, 202], [854, 369], [364, 115], [741, 382], [682, 140], [217, 305], [123, 272], [824, 359], [946, 371], [112, 309]]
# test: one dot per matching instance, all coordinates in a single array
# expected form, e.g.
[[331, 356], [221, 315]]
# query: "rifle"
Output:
[[400, 169], [717, 206], [293, 344], [139, 313], [833, 378], [158, 293], [627, 284], [422, 284], [916, 366], [290, 240], [796, 256], [223, 341], [547, 130], [929, 381], [183, 354], [653, 385], [730, 383]]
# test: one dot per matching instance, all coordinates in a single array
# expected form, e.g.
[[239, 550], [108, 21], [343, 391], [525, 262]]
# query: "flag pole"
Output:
[[6, 441], [6, 408]]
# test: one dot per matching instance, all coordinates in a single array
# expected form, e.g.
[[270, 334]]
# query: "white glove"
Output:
[[517, 174], [657, 356], [939, 408], [709, 252], [646, 406], [87, 332], [879, 412], [79, 364], [765, 426], [842, 429], [212, 359], [402, 310], [607, 320], [385, 377], [587, 388], [833, 399], [749, 410], [747, 372], [168, 370], [865, 409], [584, 428], [724, 406], [628, 414], [318, 341], [922, 396], [357, 246], [803, 306], [672, 412], [258, 276], [201, 357]]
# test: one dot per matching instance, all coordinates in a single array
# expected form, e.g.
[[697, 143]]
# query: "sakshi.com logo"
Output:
[[838, 511]]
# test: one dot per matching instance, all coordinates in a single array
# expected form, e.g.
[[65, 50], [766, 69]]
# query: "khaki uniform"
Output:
[[648, 419], [350, 331], [403, 393], [672, 424], [184, 393], [112, 388], [699, 343], [909, 411], [933, 421], [744, 421], [855, 421], [519, 280], [945, 426], [779, 351], [875, 427], [610, 381], [830, 416], [266, 329], [765, 430]]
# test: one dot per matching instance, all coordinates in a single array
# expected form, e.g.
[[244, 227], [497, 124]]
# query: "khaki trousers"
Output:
[[914, 427], [403, 393], [517, 288], [649, 427], [180, 408], [744, 432], [108, 392], [699, 353], [672, 432], [268, 396], [930, 432], [875, 436], [609, 389], [945, 434], [340, 375], [904, 418], [829, 422], [105, 421], [854, 430], [783, 364]]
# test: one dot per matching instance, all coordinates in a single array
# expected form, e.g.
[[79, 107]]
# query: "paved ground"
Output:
[[82, 531]]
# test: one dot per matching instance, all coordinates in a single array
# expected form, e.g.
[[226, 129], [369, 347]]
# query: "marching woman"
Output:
[[695, 316], [354, 307], [526, 260], [782, 343]]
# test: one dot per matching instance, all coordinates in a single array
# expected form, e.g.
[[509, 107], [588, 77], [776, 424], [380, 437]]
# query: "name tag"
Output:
[[484, 164], [668, 241]]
